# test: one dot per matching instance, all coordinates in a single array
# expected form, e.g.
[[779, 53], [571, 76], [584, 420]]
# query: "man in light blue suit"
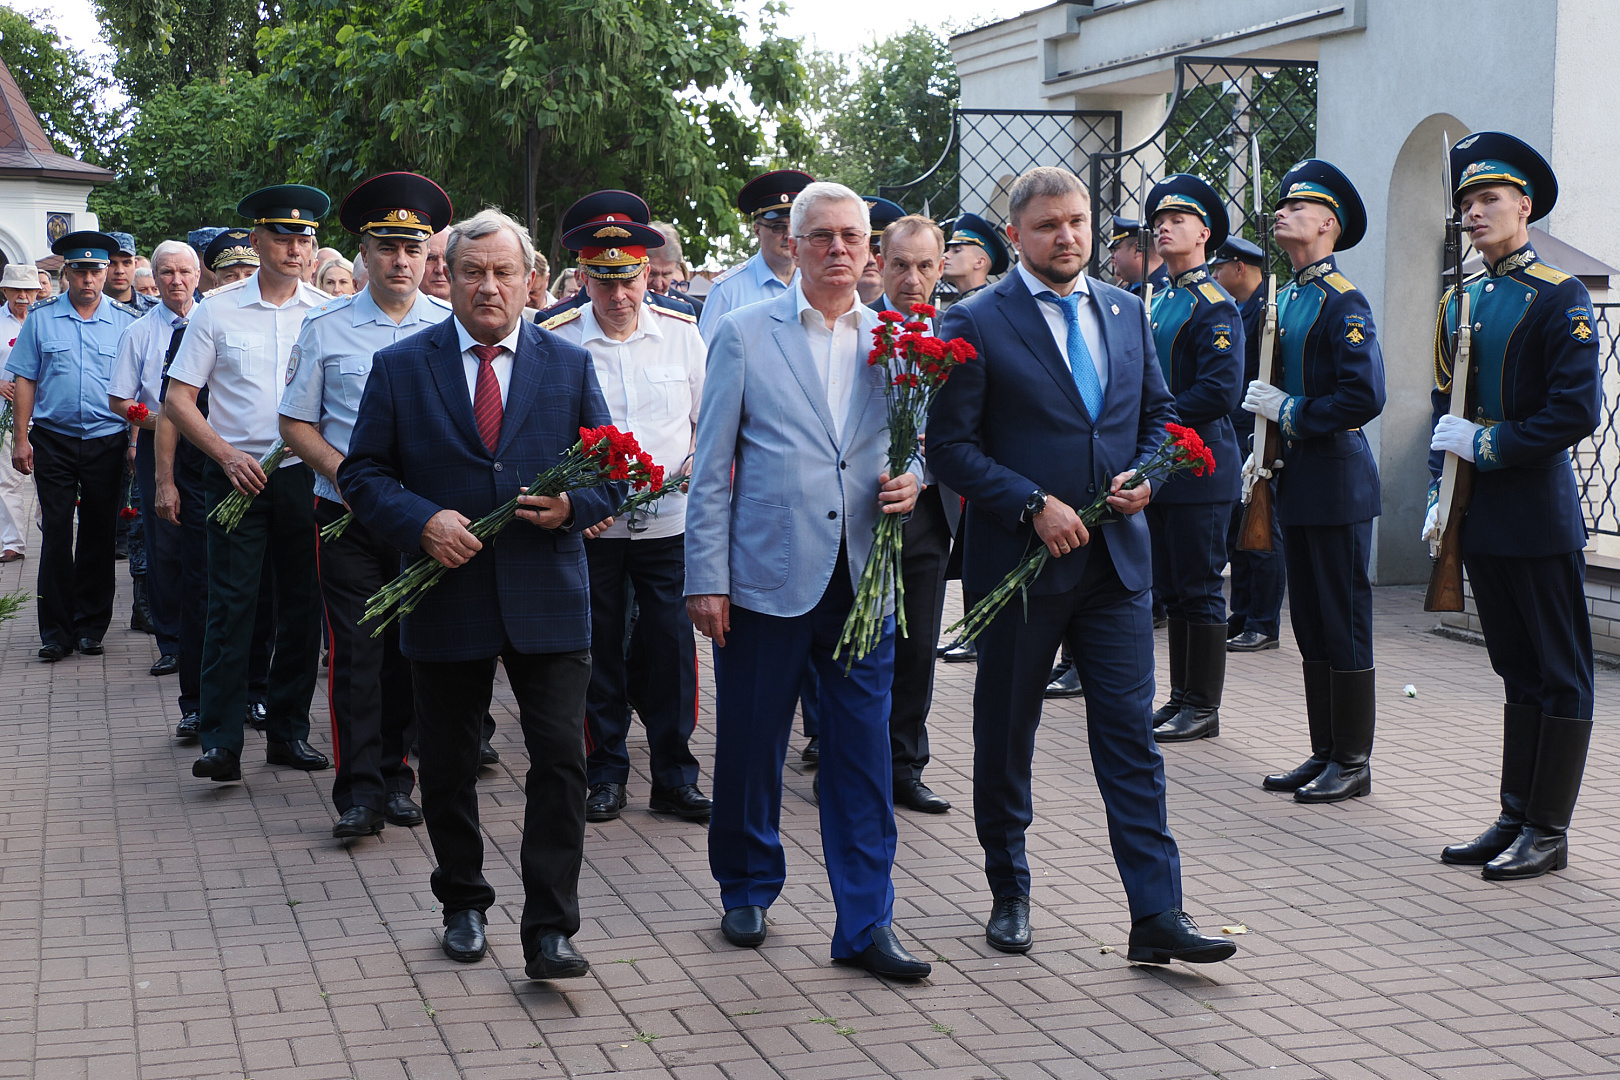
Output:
[[787, 483]]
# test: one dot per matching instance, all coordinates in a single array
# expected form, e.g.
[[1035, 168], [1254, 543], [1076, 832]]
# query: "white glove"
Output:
[[1248, 463], [1455, 435], [1265, 400], [1431, 524]]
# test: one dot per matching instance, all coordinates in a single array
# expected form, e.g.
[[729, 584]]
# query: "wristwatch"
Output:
[[1036, 503]]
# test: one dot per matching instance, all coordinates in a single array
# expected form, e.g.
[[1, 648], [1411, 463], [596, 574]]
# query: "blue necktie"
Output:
[[1080, 362]]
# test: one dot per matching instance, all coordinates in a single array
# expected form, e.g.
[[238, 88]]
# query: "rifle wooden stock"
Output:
[[1445, 591], [1254, 531]]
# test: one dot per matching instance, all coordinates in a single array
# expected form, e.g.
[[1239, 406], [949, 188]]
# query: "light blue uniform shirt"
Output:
[[329, 366], [70, 359], [138, 372], [749, 283]]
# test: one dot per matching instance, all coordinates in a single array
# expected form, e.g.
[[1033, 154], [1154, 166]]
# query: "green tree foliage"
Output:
[[637, 94], [162, 43], [59, 84]]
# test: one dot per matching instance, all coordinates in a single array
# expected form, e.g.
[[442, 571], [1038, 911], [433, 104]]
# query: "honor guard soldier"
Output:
[[1199, 340], [61, 362], [1327, 493], [1258, 578], [237, 345], [1129, 251], [649, 362], [1536, 391], [394, 215], [575, 217], [767, 199], [974, 253]]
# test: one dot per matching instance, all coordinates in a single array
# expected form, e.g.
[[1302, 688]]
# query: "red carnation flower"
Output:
[[927, 311], [128, 513], [137, 411], [891, 316], [917, 327]]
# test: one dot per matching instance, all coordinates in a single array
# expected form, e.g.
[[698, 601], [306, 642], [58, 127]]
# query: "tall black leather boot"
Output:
[[140, 611], [1521, 728], [1178, 672], [1543, 842], [1200, 715], [1319, 718], [1349, 769]]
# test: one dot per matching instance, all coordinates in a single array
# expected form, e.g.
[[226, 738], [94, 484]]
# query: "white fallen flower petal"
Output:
[[1409, 690], [1238, 929]]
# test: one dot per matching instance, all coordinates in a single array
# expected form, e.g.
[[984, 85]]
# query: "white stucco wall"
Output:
[[23, 206]]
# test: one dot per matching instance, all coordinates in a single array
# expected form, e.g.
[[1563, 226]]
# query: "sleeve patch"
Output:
[[1580, 324], [1222, 334], [1355, 330], [292, 364]]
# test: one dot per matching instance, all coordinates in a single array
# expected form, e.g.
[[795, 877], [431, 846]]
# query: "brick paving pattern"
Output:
[[153, 925]]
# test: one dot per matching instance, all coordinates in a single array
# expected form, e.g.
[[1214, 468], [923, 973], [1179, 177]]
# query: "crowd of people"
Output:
[[294, 427]]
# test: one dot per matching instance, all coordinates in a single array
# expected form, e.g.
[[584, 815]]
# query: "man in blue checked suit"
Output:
[[1065, 399], [454, 420]]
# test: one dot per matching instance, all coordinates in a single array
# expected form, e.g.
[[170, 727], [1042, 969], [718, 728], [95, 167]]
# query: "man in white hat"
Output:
[[20, 285]]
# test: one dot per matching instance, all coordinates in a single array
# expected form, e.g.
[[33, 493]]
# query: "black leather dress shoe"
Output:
[[487, 755], [401, 809], [685, 801], [90, 647], [811, 754], [358, 821], [189, 727], [166, 665], [887, 957], [218, 764], [1065, 684], [52, 653], [258, 717], [557, 959], [961, 654], [464, 936], [296, 754], [1172, 935], [1008, 928], [915, 794], [605, 801], [744, 926], [1251, 641]]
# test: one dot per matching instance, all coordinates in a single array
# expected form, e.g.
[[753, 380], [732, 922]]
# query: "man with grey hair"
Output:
[[20, 287], [667, 272], [454, 420]]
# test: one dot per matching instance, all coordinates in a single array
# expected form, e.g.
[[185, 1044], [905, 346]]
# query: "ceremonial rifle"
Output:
[[1144, 243], [1456, 475], [1265, 457]]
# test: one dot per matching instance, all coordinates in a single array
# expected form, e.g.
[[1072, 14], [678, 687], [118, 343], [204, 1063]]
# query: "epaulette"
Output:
[[435, 300], [672, 313], [1550, 274], [723, 275], [37, 304], [240, 283], [127, 309], [337, 303], [568, 316], [1339, 282], [1211, 293]]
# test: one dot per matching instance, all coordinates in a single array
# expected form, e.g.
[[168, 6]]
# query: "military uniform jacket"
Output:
[[1253, 315], [1199, 338], [1333, 372], [1537, 389], [1159, 278]]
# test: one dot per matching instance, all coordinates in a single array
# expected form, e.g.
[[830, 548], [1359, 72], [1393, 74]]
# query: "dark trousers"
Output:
[[922, 567], [1258, 579], [164, 542], [1533, 613], [1189, 553], [659, 676], [1109, 631], [369, 681], [279, 529], [77, 580], [451, 699], [1331, 605], [757, 677]]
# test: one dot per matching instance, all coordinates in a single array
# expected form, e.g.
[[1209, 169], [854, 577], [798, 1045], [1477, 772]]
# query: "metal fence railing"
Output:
[[1597, 460]]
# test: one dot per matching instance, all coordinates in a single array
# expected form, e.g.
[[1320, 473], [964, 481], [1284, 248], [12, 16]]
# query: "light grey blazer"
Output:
[[772, 491]]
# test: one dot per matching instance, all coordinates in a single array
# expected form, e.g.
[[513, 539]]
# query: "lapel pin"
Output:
[[1114, 308]]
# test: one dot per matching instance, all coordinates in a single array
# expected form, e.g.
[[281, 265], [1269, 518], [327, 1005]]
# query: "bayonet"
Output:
[[1265, 456]]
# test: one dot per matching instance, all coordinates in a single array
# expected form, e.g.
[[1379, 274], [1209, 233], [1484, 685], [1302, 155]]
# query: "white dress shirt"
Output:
[[1090, 325], [10, 327], [836, 352], [138, 372], [502, 363]]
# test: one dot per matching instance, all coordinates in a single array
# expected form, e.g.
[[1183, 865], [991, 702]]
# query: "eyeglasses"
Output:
[[777, 227], [822, 238]]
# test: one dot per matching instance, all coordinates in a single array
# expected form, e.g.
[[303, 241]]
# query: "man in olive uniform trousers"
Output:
[[767, 200], [1537, 391], [1199, 340], [1327, 493], [369, 680], [237, 344]]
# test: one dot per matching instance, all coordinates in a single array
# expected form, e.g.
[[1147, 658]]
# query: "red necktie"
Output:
[[487, 397]]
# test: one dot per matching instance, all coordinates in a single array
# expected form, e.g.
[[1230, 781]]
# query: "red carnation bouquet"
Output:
[[1183, 450], [137, 411], [918, 364], [601, 455]]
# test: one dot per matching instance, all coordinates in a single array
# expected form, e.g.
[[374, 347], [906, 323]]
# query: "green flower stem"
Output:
[[338, 527], [232, 507]]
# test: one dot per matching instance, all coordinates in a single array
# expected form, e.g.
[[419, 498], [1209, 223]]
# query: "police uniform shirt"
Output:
[[138, 373], [1058, 323], [328, 369], [70, 359], [238, 345], [749, 283], [653, 383]]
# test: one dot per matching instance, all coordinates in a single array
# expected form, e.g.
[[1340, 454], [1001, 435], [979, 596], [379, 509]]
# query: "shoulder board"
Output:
[[731, 272], [1543, 272], [672, 313], [240, 283], [37, 304], [566, 317], [437, 302], [1210, 293], [1338, 282], [127, 309], [335, 304]]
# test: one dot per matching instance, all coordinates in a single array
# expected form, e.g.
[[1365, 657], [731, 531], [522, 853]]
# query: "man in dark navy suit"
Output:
[[453, 421], [1064, 400]]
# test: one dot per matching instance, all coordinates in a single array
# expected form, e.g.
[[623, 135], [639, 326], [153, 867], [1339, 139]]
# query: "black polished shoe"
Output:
[[464, 940], [218, 764], [358, 821], [685, 801], [400, 809], [189, 727], [90, 647], [1533, 852], [887, 957], [915, 794], [166, 665], [487, 755], [296, 754], [1172, 935], [52, 653], [604, 801], [258, 717], [557, 959], [1251, 641], [1065, 685], [811, 754], [960, 653], [744, 926], [1008, 928]]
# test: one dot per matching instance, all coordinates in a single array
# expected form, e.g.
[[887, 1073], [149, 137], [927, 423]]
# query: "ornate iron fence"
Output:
[[1597, 460]]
